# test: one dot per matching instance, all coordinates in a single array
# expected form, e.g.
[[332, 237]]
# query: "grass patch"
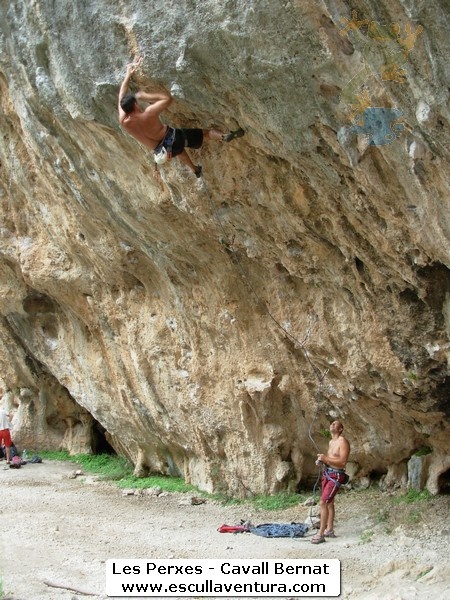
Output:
[[382, 515], [109, 466], [277, 502], [50, 455], [423, 451], [414, 517], [167, 484], [366, 536], [405, 509], [423, 573], [414, 496], [120, 470]]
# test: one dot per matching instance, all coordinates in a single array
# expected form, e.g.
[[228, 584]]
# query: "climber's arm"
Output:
[[158, 102], [131, 68]]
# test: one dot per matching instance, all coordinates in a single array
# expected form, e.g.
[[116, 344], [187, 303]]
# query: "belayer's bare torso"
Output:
[[337, 449]]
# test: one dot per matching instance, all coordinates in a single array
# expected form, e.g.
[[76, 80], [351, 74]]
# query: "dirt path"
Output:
[[62, 530]]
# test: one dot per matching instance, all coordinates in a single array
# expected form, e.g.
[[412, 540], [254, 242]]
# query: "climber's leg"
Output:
[[186, 160]]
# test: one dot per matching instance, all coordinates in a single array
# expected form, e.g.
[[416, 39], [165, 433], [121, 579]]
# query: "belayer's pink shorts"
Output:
[[331, 482]]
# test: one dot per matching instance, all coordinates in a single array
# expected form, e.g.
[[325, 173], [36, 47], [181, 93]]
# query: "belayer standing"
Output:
[[333, 477], [145, 125]]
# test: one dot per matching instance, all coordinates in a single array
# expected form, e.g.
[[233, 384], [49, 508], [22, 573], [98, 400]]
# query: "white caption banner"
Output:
[[215, 578]]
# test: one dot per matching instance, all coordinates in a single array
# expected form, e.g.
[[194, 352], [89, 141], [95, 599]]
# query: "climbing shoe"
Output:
[[198, 171], [228, 137]]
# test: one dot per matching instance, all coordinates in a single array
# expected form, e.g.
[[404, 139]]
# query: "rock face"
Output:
[[213, 329]]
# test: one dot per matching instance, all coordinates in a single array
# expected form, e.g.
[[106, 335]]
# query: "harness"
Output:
[[328, 470], [163, 151]]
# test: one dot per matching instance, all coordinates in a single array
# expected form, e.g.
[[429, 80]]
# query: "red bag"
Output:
[[233, 529]]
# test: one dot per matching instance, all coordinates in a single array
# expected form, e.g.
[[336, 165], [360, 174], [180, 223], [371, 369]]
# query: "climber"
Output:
[[146, 126], [333, 477]]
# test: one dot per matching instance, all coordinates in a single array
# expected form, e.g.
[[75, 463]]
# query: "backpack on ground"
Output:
[[12, 451], [16, 462]]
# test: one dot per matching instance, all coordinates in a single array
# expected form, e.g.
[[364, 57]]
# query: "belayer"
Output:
[[145, 125], [333, 477]]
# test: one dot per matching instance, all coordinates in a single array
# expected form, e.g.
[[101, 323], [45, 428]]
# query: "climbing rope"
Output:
[[298, 344], [320, 375]]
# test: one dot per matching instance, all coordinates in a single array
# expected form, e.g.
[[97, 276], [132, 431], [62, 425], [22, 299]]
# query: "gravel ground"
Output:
[[60, 530]]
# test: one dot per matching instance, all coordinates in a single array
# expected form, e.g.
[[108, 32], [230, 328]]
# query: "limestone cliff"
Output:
[[208, 328]]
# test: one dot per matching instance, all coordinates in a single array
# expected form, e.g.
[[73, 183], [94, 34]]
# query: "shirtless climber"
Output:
[[333, 477], [146, 126]]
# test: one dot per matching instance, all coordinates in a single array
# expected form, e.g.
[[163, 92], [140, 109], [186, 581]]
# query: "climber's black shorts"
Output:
[[187, 138]]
